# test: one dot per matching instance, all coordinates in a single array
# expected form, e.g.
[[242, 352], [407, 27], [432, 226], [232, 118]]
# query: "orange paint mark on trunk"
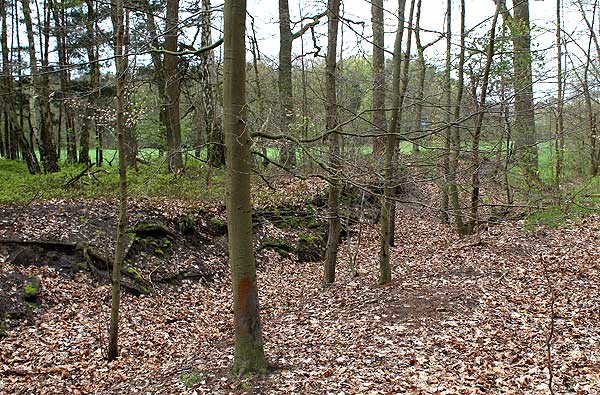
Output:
[[243, 288]]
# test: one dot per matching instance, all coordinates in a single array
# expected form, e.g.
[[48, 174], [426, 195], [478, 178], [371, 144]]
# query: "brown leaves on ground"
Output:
[[457, 319]]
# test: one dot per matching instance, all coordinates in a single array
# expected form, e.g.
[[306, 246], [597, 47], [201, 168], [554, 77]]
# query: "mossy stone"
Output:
[[187, 224], [31, 289], [217, 226], [281, 247], [135, 274], [310, 247]]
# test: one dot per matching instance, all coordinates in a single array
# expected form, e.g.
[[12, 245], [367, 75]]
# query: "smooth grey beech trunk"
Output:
[[249, 352]]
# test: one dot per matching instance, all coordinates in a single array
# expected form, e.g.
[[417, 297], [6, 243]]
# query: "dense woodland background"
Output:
[[395, 170]]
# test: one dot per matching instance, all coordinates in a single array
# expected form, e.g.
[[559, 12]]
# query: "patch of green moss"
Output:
[[135, 274], [217, 222], [187, 224], [281, 247], [145, 290], [308, 238], [31, 289], [291, 221], [191, 378], [82, 266]]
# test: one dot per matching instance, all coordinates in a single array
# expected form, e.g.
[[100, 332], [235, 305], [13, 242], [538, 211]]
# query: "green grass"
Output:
[[558, 216], [18, 186], [406, 148], [109, 156]]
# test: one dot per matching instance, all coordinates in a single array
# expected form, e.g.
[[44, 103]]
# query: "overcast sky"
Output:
[[542, 13]]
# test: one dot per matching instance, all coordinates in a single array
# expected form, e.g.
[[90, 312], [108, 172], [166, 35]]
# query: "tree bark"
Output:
[[333, 234], [118, 16], [420, 94], [89, 122], [249, 352], [288, 151], [524, 124], [58, 12], [47, 146], [379, 117], [157, 62], [447, 133], [475, 179], [172, 89], [591, 117], [453, 190], [14, 136], [210, 101], [559, 138], [403, 92], [391, 144]]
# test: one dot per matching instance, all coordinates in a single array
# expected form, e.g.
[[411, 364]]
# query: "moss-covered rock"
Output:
[[187, 224], [310, 247], [134, 274], [217, 226], [153, 229], [281, 247], [31, 288]]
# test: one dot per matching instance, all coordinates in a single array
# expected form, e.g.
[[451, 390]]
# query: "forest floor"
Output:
[[486, 316]]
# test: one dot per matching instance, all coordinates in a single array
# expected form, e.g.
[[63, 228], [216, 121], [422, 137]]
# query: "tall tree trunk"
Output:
[[391, 144], [158, 69], [210, 100], [89, 122], [288, 151], [259, 90], [48, 152], [524, 125], [453, 191], [475, 179], [403, 91], [131, 144], [591, 118], [58, 11], [172, 89], [15, 136], [4, 130], [379, 118], [559, 138], [420, 94], [333, 234], [447, 133], [118, 25], [249, 352]]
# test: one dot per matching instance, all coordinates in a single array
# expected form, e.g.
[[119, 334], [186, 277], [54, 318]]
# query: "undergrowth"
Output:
[[197, 182]]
